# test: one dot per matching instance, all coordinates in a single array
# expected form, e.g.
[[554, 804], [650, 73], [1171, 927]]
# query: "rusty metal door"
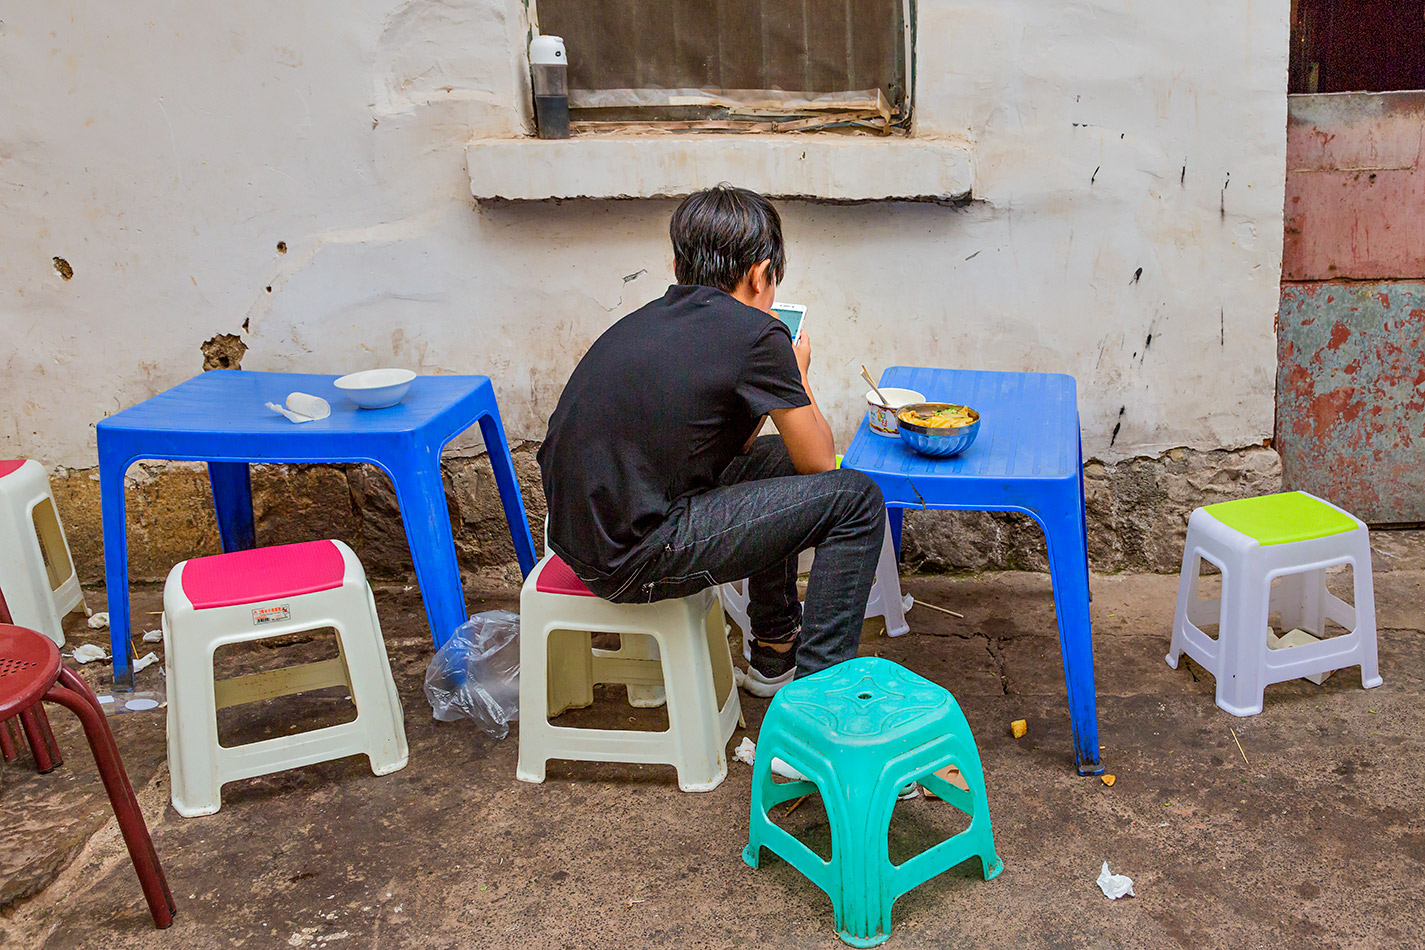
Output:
[[1351, 327]]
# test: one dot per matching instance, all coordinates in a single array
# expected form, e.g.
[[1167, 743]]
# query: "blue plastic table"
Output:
[[1027, 458], [219, 417]]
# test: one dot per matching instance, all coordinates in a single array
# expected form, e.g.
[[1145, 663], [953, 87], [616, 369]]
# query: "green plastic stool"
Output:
[[859, 732]]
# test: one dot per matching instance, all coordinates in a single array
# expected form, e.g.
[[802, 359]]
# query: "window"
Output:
[[735, 65], [1357, 45]]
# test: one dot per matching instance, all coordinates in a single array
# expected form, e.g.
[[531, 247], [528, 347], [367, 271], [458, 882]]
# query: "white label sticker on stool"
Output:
[[264, 615]]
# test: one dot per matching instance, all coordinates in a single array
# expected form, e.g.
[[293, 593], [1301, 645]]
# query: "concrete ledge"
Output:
[[833, 167]]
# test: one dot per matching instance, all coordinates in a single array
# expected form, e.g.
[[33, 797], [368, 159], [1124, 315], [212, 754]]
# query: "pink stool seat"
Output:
[[559, 578], [248, 577], [9, 465]]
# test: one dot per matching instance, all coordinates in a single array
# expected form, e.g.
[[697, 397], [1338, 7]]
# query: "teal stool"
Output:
[[860, 732]]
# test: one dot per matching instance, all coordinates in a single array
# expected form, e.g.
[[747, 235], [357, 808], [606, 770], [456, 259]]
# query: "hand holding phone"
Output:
[[802, 351], [793, 315]]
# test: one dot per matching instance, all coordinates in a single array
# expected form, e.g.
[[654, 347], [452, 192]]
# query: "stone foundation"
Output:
[[1137, 512], [170, 514], [1137, 515]]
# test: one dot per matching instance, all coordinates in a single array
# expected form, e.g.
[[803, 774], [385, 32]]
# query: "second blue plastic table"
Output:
[[219, 417], [1027, 458]]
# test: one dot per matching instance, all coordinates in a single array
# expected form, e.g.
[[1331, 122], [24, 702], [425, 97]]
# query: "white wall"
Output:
[[163, 149]]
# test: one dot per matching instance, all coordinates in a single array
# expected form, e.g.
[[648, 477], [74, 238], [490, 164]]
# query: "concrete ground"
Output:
[[1309, 835]]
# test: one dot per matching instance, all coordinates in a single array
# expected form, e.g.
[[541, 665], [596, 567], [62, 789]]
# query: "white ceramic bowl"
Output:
[[376, 388], [883, 415]]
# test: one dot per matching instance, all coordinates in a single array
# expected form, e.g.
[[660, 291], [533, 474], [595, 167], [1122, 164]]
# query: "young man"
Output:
[[657, 483]]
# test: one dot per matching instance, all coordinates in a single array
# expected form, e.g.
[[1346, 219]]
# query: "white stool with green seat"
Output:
[[1253, 541]]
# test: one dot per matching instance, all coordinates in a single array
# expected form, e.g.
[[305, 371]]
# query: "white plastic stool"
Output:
[[884, 601], [36, 571], [678, 646], [1293, 536], [256, 595]]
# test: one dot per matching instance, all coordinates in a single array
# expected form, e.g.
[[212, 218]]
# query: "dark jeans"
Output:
[[754, 524]]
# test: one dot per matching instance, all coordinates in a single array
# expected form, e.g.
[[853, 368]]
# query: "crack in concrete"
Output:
[[998, 660], [991, 647]]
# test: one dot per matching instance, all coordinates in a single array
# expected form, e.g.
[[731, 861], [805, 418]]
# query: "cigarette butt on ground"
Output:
[[1109, 779], [1019, 727], [949, 774]]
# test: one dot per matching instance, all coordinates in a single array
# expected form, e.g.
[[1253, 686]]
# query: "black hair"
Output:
[[722, 233]]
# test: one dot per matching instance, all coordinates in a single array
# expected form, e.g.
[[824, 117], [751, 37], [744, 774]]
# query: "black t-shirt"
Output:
[[653, 413]]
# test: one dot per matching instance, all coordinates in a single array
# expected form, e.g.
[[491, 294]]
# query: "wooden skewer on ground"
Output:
[[953, 613], [796, 804], [1239, 747]]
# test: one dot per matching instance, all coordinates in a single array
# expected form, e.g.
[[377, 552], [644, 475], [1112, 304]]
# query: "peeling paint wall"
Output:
[[1351, 395], [293, 175], [1351, 331]]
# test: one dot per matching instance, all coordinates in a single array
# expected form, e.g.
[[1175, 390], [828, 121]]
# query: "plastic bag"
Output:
[[476, 674]]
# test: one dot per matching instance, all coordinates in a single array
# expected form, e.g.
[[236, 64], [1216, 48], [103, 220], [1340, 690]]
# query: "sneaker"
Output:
[[784, 770], [769, 670]]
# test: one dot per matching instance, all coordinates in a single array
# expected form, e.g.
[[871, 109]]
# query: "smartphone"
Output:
[[792, 314]]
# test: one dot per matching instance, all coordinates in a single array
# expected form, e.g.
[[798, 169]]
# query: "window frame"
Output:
[[797, 116]]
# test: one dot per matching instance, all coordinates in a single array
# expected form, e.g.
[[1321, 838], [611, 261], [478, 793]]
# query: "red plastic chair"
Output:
[[30, 673], [32, 724]]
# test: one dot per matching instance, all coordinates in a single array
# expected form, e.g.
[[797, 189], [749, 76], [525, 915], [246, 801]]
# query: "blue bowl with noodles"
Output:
[[937, 441]]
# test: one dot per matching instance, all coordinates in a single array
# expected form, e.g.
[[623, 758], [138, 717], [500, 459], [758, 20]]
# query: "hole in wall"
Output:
[[62, 268], [224, 351]]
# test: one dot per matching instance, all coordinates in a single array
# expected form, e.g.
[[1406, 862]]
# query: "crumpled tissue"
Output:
[[99, 621], [303, 407], [145, 661], [1113, 885], [1296, 638], [746, 751], [153, 636], [88, 653]]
